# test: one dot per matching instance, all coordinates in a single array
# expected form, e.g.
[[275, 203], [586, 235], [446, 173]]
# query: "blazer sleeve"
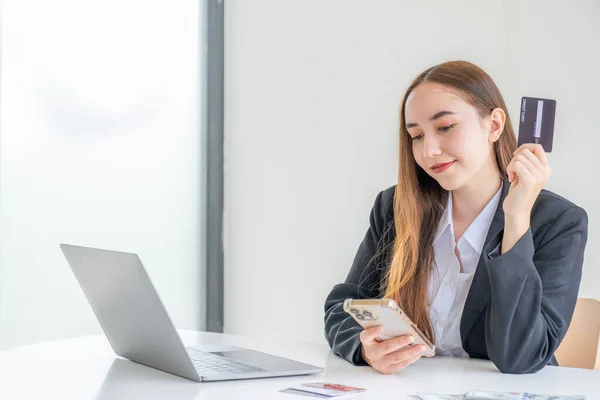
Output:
[[534, 290], [362, 282]]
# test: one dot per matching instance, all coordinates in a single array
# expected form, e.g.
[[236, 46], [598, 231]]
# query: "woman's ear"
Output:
[[497, 120]]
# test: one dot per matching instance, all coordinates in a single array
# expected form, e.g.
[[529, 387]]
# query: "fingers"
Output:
[[539, 160], [511, 175], [391, 355], [533, 147], [530, 162], [537, 150], [510, 170], [522, 172], [383, 349], [399, 359], [392, 369], [404, 354], [535, 161], [368, 336]]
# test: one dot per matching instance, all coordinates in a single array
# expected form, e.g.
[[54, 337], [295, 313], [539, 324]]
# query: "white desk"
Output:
[[86, 368]]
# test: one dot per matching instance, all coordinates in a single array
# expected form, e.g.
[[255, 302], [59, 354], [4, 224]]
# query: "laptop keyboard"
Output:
[[209, 364]]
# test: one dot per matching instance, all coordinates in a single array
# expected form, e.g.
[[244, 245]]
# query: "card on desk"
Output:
[[323, 390], [536, 121]]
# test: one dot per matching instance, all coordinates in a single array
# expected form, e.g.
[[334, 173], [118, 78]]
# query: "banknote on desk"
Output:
[[491, 395]]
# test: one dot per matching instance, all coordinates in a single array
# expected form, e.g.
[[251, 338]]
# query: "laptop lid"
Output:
[[128, 309]]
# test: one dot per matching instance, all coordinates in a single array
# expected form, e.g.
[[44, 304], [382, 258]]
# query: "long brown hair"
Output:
[[419, 200]]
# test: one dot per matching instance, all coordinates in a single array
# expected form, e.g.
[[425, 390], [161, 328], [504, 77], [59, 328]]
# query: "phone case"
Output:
[[386, 313]]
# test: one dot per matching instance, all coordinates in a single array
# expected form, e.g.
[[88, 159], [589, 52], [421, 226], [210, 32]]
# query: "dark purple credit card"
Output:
[[536, 121]]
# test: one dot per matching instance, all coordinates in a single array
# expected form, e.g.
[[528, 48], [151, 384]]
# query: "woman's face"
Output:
[[450, 141]]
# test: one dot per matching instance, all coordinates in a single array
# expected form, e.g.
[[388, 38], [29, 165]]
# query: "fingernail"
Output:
[[412, 339]]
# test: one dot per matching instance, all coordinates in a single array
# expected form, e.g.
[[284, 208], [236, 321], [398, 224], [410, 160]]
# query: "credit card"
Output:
[[323, 389], [536, 122]]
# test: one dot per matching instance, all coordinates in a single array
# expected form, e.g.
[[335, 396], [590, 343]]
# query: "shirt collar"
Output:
[[445, 220], [476, 232]]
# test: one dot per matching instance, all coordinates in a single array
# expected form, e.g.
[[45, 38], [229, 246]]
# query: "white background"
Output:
[[101, 146], [313, 89]]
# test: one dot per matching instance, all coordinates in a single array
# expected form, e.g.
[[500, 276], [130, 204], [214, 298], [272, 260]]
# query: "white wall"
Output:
[[312, 95], [100, 146]]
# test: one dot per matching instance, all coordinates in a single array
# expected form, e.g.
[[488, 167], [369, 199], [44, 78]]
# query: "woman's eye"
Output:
[[418, 137], [446, 128]]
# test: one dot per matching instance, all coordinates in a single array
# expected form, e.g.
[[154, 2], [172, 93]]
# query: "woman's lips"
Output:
[[439, 168]]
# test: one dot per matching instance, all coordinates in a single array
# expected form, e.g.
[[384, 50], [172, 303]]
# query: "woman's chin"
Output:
[[450, 183]]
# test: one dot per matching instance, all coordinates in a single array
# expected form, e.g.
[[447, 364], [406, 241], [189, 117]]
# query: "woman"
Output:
[[485, 262]]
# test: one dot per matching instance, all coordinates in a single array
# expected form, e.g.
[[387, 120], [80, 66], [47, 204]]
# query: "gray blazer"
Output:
[[520, 303]]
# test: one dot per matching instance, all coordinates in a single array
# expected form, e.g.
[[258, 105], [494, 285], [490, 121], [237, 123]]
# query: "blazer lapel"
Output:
[[479, 293]]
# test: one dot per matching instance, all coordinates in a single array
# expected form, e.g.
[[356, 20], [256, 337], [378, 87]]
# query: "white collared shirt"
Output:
[[448, 287]]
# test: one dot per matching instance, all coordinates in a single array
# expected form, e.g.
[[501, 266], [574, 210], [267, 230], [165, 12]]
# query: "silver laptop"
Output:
[[138, 327]]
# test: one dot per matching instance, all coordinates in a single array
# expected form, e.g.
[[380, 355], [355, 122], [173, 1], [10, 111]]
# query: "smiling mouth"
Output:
[[442, 167]]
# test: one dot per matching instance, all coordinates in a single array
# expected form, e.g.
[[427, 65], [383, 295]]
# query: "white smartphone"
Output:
[[386, 313]]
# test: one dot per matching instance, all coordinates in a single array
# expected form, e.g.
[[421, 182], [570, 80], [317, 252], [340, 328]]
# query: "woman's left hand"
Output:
[[528, 172]]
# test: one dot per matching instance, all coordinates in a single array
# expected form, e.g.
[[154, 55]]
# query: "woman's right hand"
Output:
[[391, 355]]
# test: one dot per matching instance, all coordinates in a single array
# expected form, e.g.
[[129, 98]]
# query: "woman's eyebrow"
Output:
[[440, 115], [435, 116]]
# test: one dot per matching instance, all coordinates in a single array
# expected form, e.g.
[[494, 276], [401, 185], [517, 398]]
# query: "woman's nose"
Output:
[[431, 146]]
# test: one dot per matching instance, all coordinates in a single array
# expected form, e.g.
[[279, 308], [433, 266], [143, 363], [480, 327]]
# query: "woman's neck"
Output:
[[471, 199]]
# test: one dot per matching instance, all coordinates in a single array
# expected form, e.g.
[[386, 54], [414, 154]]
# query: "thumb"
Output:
[[369, 336]]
